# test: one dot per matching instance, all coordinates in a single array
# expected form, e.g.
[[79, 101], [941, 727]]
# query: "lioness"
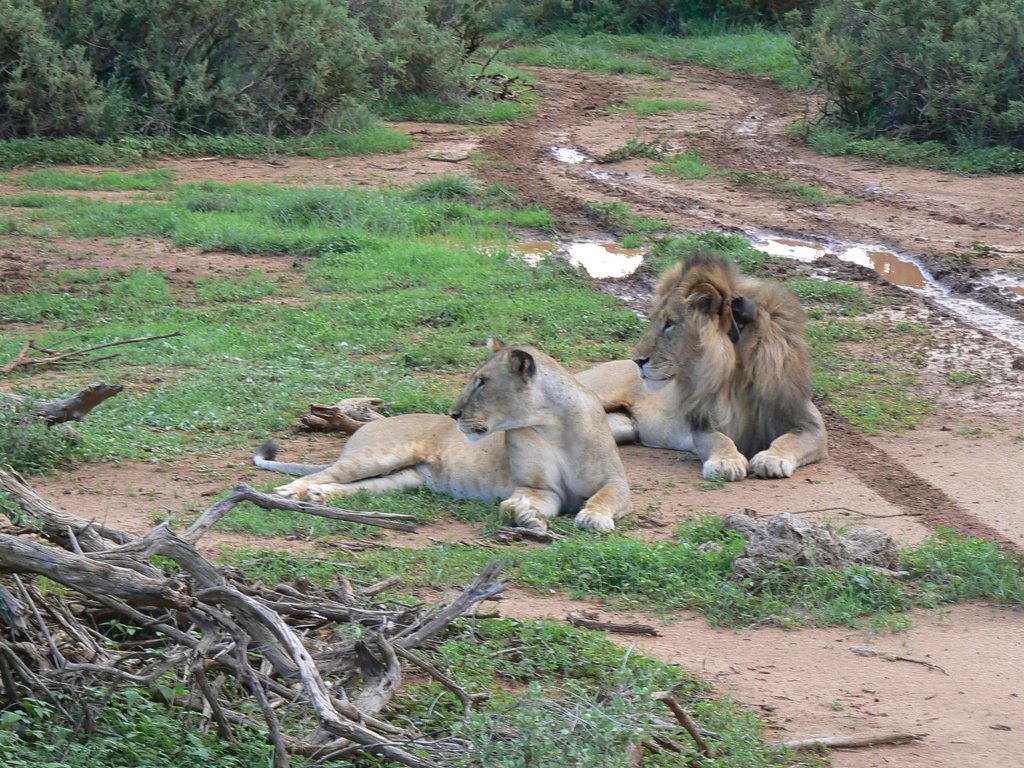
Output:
[[722, 371], [536, 438]]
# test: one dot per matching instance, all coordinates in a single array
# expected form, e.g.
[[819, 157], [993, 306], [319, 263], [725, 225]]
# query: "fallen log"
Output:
[[71, 408], [854, 741]]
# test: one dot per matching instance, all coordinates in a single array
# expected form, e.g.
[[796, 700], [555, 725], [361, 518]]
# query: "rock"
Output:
[[786, 538]]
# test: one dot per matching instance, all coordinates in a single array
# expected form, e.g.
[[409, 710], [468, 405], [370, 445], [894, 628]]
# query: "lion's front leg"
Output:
[[791, 450], [722, 459], [606, 506], [531, 507]]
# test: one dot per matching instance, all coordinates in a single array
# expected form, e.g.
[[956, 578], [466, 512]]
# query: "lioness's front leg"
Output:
[[531, 507], [722, 459], [606, 506]]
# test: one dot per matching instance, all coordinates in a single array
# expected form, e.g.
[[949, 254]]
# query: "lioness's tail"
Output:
[[264, 459]]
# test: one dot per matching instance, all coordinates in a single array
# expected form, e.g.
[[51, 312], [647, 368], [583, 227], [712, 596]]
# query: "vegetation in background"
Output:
[[927, 70], [28, 444]]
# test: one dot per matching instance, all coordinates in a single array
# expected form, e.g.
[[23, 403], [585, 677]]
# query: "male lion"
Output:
[[536, 438], [722, 371]]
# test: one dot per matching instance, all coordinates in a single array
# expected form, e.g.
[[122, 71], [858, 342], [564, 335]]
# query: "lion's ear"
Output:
[[706, 298], [494, 344], [744, 311], [522, 364]]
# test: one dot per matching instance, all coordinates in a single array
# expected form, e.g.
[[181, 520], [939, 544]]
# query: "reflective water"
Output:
[[570, 155], [603, 260]]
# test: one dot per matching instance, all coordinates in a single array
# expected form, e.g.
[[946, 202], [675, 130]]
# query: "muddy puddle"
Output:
[[600, 260], [905, 273]]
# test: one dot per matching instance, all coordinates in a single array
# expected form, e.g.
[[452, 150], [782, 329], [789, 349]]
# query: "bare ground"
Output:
[[959, 470]]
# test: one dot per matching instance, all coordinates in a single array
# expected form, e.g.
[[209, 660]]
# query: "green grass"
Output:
[[134, 149], [644, 106], [394, 296], [668, 576], [931, 154], [686, 165], [53, 178], [761, 53]]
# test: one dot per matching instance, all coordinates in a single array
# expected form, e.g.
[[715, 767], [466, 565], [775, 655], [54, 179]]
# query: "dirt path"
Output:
[[805, 682]]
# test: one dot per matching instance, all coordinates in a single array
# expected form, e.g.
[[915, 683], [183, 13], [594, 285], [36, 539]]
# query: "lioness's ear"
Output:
[[494, 344], [522, 364]]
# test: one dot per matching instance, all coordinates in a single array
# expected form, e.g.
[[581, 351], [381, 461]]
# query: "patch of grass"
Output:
[[781, 184], [643, 105], [930, 154], [686, 165], [958, 379], [635, 229], [128, 727], [134, 149], [636, 147], [683, 574], [443, 188], [145, 181], [670, 250], [397, 294], [27, 444], [762, 53]]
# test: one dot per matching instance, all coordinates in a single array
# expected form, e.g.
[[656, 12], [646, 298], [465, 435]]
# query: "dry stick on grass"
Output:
[[855, 741], [890, 656], [579, 620], [469, 700], [59, 356], [71, 408], [686, 721]]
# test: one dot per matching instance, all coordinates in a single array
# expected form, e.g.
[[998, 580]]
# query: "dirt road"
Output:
[[967, 231]]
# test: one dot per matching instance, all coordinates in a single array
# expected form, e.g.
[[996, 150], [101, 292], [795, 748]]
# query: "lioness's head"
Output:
[[696, 322], [498, 393]]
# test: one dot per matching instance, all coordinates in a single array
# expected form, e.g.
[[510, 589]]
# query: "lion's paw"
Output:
[[594, 520], [319, 494], [728, 469], [524, 513], [770, 464]]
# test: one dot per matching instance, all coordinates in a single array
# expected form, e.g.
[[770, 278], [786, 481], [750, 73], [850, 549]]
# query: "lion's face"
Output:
[[695, 325], [498, 395]]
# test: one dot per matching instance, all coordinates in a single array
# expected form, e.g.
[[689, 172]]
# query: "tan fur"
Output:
[[742, 405], [537, 439]]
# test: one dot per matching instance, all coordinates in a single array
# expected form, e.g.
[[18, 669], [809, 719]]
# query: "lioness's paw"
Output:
[[770, 464], [728, 469], [319, 494], [292, 490], [594, 520], [523, 513]]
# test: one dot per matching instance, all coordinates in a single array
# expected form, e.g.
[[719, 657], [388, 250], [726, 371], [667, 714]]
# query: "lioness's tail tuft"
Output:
[[266, 451]]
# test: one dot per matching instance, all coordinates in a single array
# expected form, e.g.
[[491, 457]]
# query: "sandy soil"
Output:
[[805, 682]]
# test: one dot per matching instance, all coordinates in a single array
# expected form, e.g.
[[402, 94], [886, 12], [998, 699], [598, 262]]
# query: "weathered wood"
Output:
[[855, 741], [63, 356], [580, 620]]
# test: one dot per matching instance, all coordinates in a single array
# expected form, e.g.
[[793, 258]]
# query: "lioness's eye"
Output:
[[669, 325], [479, 383]]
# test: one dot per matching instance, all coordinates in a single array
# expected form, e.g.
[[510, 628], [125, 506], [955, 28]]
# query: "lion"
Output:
[[523, 430], [722, 371]]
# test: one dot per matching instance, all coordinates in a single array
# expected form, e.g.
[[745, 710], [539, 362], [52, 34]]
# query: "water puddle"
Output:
[[604, 260], [600, 260], [570, 155], [905, 273]]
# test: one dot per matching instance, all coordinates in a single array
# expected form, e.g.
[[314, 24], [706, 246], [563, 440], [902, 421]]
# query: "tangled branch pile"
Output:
[[318, 663]]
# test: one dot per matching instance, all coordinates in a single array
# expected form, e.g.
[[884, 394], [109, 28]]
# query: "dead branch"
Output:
[[686, 721], [518, 533], [854, 741], [890, 656], [71, 408], [591, 622], [318, 693], [345, 416], [469, 700], [65, 356]]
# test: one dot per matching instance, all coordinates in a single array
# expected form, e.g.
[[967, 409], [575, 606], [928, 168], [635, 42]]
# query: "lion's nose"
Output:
[[641, 361]]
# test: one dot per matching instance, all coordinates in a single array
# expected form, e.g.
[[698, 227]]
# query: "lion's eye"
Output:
[[669, 325], [479, 383]]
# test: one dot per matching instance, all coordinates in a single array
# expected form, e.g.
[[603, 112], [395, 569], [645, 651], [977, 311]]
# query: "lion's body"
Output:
[[722, 371], [541, 444]]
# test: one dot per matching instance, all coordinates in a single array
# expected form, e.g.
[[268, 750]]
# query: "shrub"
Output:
[[944, 70]]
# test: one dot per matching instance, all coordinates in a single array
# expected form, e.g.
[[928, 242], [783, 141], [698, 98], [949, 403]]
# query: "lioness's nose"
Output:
[[455, 414], [641, 361]]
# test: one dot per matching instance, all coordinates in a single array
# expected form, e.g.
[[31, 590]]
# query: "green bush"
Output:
[[945, 70]]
